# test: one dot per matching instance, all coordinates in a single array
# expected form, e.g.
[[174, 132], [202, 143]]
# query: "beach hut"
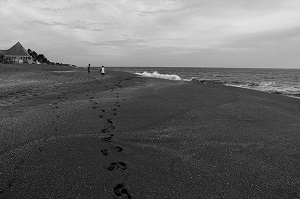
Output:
[[16, 54]]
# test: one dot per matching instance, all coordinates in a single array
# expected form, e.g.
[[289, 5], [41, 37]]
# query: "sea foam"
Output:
[[155, 74]]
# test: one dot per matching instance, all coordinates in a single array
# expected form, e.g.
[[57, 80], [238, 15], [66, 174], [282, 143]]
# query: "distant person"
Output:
[[102, 70], [89, 68]]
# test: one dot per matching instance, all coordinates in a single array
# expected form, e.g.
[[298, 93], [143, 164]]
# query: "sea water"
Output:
[[278, 81]]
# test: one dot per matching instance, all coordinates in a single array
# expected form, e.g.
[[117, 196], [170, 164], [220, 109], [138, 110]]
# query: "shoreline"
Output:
[[237, 79], [122, 135]]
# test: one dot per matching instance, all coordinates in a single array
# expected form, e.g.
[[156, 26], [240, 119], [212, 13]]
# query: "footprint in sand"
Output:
[[118, 148], [112, 166], [107, 139], [116, 165], [122, 165], [104, 152], [120, 190], [112, 127]]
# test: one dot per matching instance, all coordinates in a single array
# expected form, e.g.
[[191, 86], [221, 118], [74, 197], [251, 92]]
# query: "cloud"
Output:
[[120, 43], [58, 6], [269, 38], [174, 28], [77, 24]]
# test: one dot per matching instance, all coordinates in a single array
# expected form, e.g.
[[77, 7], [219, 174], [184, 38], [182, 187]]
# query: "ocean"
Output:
[[278, 81]]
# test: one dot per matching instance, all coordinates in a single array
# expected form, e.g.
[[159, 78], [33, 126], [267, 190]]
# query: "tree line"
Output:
[[38, 57], [42, 59]]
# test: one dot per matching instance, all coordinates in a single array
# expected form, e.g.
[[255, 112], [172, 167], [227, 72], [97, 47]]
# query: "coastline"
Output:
[[276, 81], [80, 135]]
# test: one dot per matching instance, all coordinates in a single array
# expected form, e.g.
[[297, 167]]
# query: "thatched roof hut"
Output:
[[16, 54], [17, 50], [2, 52]]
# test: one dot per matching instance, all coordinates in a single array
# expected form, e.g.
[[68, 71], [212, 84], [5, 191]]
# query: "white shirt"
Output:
[[102, 70]]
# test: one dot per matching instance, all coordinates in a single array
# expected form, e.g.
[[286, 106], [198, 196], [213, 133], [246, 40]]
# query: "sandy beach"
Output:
[[70, 134]]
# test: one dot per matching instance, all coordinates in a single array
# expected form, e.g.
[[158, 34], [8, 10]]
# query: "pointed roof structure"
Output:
[[17, 50], [2, 52]]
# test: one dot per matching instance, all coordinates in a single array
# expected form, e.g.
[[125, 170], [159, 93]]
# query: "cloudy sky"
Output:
[[207, 33]]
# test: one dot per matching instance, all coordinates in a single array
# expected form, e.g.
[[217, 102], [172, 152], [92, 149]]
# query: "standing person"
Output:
[[102, 70], [89, 68]]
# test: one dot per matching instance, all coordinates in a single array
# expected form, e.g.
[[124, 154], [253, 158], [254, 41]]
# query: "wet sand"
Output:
[[74, 135]]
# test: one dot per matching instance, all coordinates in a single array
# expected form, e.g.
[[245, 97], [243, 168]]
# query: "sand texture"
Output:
[[74, 135]]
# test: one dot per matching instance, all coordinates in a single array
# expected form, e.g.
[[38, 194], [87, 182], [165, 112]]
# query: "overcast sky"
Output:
[[206, 33]]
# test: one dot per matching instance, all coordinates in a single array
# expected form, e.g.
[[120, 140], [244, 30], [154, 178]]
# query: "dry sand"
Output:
[[74, 135]]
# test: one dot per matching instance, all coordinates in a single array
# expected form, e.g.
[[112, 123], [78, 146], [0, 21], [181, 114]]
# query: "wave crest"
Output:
[[155, 74], [210, 81]]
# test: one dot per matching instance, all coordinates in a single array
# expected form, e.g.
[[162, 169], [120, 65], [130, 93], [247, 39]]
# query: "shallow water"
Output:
[[278, 81]]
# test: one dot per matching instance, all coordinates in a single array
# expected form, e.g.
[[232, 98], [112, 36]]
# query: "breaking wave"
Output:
[[256, 83], [155, 74], [209, 81]]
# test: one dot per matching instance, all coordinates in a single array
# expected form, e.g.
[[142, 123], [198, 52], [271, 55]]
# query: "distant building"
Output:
[[16, 54]]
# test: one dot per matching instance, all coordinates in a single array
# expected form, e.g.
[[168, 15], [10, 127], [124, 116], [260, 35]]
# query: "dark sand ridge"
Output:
[[124, 136]]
